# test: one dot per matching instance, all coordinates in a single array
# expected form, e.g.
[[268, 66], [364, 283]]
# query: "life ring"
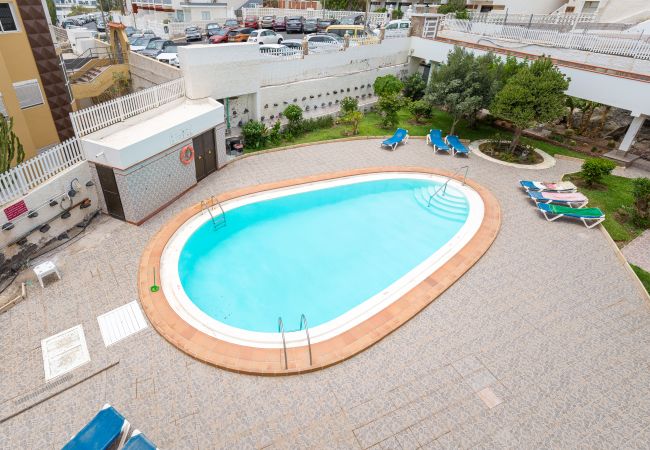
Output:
[[187, 154]]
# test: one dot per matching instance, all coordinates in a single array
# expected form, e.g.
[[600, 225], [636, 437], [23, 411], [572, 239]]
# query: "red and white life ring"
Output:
[[187, 154]]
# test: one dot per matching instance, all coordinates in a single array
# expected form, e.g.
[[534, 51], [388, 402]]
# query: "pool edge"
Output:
[[259, 361]]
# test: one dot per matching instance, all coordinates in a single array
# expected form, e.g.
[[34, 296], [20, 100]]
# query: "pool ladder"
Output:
[[205, 205], [303, 321], [443, 188]]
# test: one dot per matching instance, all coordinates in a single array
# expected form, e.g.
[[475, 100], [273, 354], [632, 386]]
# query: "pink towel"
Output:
[[565, 197]]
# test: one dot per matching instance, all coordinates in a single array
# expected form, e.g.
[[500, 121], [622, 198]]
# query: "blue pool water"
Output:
[[320, 253]]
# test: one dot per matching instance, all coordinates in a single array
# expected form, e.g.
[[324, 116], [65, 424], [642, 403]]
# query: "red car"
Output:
[[219, 36], [251, 22], [280, 23]]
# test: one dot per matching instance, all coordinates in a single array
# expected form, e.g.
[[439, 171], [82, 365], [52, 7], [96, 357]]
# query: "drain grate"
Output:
[[64, 352], [121, 323], [46, 387]]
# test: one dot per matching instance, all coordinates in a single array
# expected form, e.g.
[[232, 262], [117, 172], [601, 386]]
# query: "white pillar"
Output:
[[634, 128]]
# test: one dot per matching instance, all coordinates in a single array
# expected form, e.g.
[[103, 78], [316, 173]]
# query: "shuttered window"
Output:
[[28, 93], [7, 18]]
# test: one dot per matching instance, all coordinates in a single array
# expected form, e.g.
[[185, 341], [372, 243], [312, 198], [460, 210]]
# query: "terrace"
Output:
[[543, 343]]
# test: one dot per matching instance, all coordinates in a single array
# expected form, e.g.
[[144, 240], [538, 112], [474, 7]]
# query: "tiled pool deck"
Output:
[[548, 328]]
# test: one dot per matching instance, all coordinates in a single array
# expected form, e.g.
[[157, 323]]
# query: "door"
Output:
[[110, 191], [205, 154]]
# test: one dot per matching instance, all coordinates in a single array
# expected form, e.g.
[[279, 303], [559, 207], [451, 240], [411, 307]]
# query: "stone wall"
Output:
[[147, 72]]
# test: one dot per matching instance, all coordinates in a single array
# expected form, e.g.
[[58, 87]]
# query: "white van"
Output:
[[395, 28]]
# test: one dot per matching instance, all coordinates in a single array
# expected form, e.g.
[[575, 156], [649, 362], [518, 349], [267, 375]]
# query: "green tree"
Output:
[[593, 170], [348, 105], [387, 85], [535, 94], [463, 85], [293, 113], [420, 109], [452, 6], [51, 9], [414, 86], [10, 146], [388, 107], [353, 118]]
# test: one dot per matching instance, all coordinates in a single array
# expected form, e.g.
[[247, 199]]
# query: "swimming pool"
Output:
[[337, 251]]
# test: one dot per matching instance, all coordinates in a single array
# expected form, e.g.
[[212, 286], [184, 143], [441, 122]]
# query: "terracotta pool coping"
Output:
[[271, 361]]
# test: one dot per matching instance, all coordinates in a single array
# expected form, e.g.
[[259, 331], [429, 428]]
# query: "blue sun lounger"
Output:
[[457, 147], [139, 441], [401, 136], [103, 431], [435, 138]]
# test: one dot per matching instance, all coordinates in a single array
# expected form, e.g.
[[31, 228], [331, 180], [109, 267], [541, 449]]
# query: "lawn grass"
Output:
[[614, 193], [371, 126], [643, 276]]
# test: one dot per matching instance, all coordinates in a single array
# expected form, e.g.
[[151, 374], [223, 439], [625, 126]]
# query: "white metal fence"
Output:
[[283, 54], [17, 181], [373, 18], [629, 47], [531, 19], [96, 117]]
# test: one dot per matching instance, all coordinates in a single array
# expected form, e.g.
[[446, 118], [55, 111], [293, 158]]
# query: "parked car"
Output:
[[239, 34], [135, 36], [219, 36], [130, 31], [193, 34], [211, 29], [267, 21], [231, 23], [70, 23], [310, 26], [355, 19], [395, 27], [278, 50], [295, 44], [155, 48], [354, 31], [170, 55], [294, 24], [324, 23], [100, 25], [141, 43], [319, 40], [265, 37], [280, 23], [251, 22]]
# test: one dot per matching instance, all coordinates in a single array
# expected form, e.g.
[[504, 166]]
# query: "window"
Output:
[[205, 15], [28, 93], [404, 25], [7, 18]]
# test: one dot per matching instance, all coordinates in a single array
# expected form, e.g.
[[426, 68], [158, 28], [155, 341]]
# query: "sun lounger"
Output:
[[104, 430], [590, 217], [457, 147], [573, 199], [435, 138], [401, 136], [560, 186], [139, 441]]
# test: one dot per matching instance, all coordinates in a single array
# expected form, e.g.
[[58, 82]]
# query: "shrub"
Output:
[[420, 109], [388, 107], [353, 118], [293, 113], [452, 6], [569, 132], [414, 86], [387, 85], [611, 143], [275, 133], [397, 14], [254, 134], [348, 105], [573, 143], [593, 169], [641, 193]]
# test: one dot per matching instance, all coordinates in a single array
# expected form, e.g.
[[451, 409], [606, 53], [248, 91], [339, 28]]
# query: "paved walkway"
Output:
[[548, 321], [637, 252]]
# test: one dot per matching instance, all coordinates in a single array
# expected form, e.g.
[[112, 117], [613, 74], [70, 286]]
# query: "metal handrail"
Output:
[[303, 319], [208, 206], [284, 342], [443, 187]]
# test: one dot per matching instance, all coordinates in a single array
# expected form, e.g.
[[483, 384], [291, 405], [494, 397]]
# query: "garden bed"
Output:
[[523, 154]]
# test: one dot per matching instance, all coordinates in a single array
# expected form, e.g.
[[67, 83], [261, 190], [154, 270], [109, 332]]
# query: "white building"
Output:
[[626, 11], [185, 10]]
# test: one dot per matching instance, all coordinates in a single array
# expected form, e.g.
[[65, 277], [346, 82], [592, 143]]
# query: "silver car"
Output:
[[193, 34], [267, 21]]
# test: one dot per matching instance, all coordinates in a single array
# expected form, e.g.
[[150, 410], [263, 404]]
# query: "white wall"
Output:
[[623, 93], [525, 6], [39, 198]]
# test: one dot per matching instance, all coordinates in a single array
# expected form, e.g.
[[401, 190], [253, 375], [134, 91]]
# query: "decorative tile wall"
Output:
[[151, 184]]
